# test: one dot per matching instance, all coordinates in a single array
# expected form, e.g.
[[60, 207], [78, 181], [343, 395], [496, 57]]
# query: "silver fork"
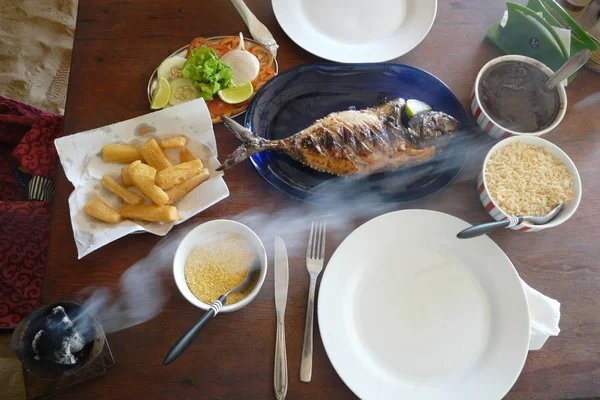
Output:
[[315, 255]]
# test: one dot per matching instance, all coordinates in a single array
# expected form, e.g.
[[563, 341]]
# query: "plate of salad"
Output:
[[224, 70]]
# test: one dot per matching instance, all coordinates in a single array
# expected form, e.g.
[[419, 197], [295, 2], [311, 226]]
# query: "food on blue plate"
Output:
[[173, 142], [150, 213], [154, 155], [524, 179], [120, 153], [121, 191], [144, 176], [97, 208], [355, 141], [414, 107], [432, 127]]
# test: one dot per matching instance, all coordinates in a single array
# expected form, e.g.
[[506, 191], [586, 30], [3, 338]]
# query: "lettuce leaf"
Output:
[[207, 72]]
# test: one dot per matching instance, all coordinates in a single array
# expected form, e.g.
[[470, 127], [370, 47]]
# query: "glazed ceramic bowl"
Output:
[[496, 212], [198, 236], [492, 127]]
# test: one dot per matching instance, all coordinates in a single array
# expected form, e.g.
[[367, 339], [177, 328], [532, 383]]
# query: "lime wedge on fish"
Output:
[[161, 95], [414, 107], [236, 94]]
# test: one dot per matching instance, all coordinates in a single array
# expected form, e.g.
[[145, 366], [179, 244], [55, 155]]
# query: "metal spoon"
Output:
[[215, 307], [572, 65], [482, 229]]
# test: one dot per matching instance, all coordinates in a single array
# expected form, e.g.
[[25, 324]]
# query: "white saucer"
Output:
[[356, 31]]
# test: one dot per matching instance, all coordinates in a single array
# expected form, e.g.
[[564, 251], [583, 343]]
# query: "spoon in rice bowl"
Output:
[[482, 229]]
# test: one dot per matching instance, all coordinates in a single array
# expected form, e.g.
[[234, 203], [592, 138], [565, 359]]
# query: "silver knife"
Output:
[[280, 377], [259, 32]]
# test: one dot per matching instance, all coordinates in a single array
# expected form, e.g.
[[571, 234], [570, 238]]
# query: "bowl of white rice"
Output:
[[528, 176]]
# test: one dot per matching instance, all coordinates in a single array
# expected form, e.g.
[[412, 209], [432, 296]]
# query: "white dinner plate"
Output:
[[355, 31], [408, 311]]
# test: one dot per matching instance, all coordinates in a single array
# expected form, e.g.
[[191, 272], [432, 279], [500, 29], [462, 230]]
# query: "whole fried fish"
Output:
[[355, 141]]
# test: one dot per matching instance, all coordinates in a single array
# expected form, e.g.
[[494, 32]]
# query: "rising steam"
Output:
[[143, 293]]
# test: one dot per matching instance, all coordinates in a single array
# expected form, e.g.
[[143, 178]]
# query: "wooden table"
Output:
[[119, 43]]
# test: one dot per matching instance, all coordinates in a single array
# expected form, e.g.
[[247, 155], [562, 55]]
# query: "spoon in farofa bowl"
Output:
[[482, 229], [215, 307]]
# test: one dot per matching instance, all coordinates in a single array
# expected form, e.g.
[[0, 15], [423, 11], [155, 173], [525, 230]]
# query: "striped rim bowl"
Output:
[[491, 127], [496, 212]]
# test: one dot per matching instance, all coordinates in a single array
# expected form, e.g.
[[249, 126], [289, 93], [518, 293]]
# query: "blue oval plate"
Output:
[[296, 98]]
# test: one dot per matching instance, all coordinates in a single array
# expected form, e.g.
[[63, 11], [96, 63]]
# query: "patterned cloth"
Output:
[[41, 189], [27, 165]]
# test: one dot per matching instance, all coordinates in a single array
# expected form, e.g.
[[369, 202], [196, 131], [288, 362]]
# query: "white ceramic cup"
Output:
[[198, 236], [494, 129], [496, 212]]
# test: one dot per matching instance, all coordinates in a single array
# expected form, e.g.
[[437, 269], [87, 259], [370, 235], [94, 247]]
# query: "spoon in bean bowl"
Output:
[[482, 229]]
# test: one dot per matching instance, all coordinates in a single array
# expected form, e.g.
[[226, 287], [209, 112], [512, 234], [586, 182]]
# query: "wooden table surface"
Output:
[[117, 46]]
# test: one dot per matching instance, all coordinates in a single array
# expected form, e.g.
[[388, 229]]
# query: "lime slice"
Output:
[[236, 94], [161, 95], [414, 107]]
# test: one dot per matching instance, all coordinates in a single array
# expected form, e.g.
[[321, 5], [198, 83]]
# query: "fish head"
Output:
[[432, 128], [445, 123], [433, 124], [392, 110]]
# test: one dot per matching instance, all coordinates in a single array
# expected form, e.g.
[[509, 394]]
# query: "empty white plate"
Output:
[[355, 31], [407, 310]]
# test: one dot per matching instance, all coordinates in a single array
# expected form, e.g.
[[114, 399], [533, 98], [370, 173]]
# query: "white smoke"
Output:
[[142, 292], [143, 288]]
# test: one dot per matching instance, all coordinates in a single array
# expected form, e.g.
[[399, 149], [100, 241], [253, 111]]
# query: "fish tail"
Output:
[[251, 143]]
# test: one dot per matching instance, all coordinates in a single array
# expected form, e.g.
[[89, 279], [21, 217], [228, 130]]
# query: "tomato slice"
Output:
[[219, 107], [197, 43]]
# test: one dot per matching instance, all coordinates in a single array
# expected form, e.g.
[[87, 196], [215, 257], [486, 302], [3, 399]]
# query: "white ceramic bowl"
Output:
[[490, 126], [492, 208], [196, 237]]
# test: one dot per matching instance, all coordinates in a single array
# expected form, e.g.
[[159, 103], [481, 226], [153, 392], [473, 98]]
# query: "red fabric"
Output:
[[27, 140], [10, 190], [24, 228]]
